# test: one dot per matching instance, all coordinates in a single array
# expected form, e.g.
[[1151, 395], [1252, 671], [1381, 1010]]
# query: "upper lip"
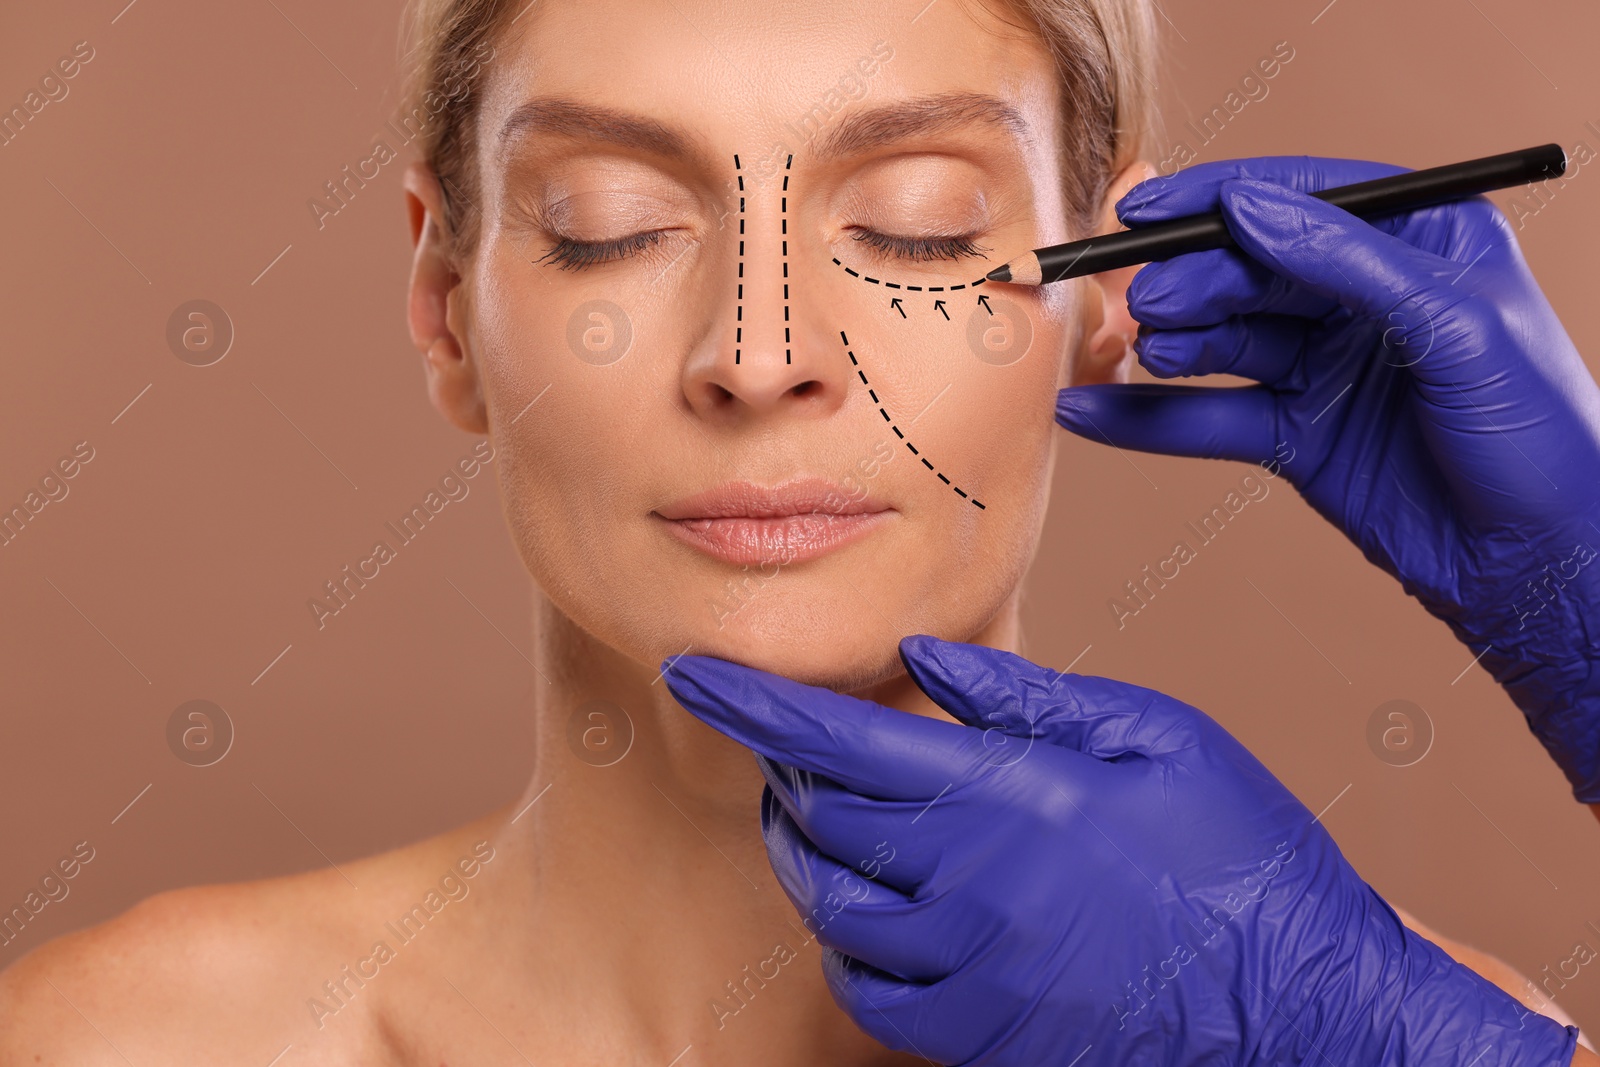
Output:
[[746, 500]]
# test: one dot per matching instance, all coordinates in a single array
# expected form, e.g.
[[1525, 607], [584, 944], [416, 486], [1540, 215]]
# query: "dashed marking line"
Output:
[[907, 288], [738, 326], [788, 353], [884, 412]]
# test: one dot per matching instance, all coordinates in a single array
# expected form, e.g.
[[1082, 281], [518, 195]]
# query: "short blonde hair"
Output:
[[1104, 51]]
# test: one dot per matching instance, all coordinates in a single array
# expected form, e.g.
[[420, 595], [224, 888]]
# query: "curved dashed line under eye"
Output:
[[906, 285]]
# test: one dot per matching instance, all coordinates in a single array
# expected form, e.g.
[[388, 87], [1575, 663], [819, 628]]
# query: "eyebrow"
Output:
[[854, 134], [569, 118], [921, 117]]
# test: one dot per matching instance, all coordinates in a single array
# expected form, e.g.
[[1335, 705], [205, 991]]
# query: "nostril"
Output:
[[806, 388]]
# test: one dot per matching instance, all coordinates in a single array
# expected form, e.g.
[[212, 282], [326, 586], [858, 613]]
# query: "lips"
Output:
[[750, 524]]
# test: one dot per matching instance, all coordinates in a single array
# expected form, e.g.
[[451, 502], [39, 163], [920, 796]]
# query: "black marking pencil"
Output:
[[1197, 233]]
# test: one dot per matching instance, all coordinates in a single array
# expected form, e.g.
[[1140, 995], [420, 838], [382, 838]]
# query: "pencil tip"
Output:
[[1001, 273]]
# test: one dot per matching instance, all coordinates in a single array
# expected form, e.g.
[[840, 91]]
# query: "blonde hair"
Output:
[[1104, 51]]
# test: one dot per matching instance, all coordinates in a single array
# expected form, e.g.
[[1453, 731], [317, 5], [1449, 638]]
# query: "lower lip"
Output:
[[790, 539]]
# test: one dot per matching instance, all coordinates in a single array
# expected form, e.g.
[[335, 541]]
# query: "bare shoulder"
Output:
[[165, 978], [221, 972]]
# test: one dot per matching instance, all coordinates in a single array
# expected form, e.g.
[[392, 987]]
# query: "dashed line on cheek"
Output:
[[788, 352], [962, 493], [738, 325]]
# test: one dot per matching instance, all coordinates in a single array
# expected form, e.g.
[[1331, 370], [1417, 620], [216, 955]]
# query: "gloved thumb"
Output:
[[995, 690]]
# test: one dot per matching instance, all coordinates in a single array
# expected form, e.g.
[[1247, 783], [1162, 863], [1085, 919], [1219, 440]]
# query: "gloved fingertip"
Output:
[[1141, 203], [919, 647], [1127, 209], [943, 670], [923, 657], [1071, 403], [1161, 359], [1079, 410], [687, 666], [683, 677], [700, 685]]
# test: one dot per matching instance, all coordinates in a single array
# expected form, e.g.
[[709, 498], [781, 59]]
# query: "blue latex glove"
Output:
[[1102, 875], [1418, 391]]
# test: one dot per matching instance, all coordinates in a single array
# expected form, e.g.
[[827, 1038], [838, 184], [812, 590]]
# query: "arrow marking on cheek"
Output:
[[962, 493]]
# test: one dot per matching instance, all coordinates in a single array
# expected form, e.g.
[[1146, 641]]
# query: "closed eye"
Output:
[[570, 254], [921, 249]]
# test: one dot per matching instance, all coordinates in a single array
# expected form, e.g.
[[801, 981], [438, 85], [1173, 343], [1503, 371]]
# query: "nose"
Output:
[[761, 359]]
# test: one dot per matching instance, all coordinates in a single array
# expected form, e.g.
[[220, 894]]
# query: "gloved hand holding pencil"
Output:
[[1433, 406]]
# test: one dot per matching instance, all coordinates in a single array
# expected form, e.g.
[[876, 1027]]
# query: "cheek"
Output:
[[973, 400], [579, 373], [970, 398]]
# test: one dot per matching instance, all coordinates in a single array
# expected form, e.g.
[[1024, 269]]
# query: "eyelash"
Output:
[[921, 249], [570, 254]]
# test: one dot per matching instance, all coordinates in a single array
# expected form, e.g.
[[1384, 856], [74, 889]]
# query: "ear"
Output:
[[433, 308], [1106, 353]]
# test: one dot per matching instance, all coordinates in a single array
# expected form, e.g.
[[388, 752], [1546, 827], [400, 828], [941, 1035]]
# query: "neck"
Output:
[[637, 847]]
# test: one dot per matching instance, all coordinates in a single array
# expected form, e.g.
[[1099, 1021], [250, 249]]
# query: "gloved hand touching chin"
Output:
[[1099, 875], [1418, 391]]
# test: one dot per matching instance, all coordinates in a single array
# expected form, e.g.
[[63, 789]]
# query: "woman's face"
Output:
[[692, 456]]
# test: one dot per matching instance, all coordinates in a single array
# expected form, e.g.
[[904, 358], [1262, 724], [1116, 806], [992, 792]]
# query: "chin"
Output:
[[829, 660], [826, 636]]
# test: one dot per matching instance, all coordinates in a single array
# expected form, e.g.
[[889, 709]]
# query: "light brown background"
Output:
[[179, 567]]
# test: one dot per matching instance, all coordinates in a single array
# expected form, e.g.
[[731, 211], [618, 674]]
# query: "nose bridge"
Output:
[[763, 363], [763, 329]]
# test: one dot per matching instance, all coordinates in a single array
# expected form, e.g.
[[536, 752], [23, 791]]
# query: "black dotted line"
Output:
[[912, 288], [738, 326], [784, 214], [962, 493]]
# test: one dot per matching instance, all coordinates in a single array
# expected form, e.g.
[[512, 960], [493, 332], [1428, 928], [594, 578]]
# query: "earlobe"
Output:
[[1106, 354], [453, 386], [436, 328]]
